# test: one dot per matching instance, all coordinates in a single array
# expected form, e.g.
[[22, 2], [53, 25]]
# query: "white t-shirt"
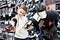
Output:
[[21, 31]]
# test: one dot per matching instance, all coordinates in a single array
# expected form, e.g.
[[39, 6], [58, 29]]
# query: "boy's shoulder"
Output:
[[25, 18]]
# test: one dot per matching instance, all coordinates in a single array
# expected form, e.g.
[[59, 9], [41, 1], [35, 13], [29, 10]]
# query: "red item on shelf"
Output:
[[7, 30]]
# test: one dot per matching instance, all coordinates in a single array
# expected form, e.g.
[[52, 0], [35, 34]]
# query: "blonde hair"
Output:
[[23, 7]]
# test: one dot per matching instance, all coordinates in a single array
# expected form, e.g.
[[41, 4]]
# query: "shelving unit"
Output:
[[58, 10]]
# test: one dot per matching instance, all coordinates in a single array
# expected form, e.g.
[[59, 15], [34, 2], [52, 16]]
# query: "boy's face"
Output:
[[21, 12]]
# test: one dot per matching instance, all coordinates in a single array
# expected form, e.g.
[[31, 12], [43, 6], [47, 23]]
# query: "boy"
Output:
[[21, 32]]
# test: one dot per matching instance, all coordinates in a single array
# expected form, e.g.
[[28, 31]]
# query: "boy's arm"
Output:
[[29, 25], [12, 22]]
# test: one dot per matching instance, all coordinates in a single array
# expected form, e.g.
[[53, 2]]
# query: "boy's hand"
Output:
[[30, 27], [13, 29]]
